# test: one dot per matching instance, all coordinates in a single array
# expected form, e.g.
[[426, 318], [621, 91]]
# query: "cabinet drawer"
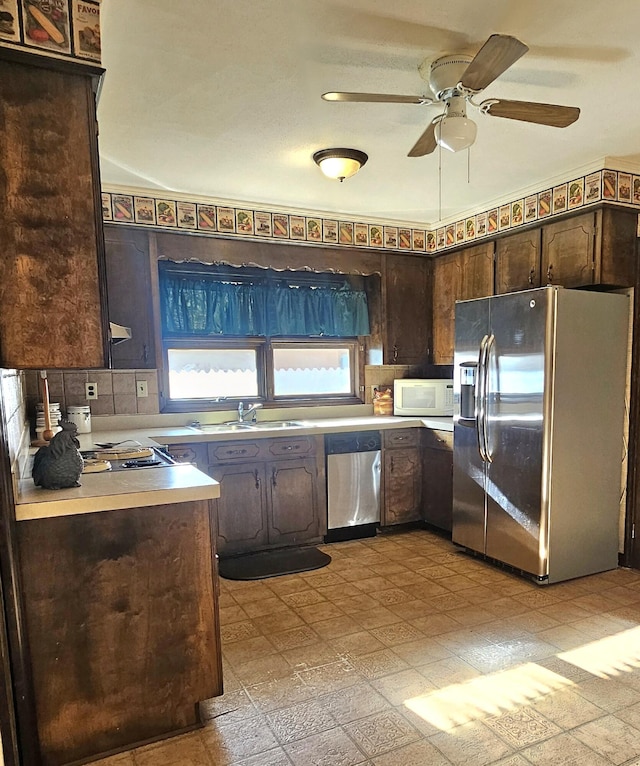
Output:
[[183, 453], [438, 440], [233, 451], [283, 447], [401, 437]]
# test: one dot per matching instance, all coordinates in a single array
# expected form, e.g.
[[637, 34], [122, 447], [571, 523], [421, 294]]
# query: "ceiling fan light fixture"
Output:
[[456, 133], [340, 163]]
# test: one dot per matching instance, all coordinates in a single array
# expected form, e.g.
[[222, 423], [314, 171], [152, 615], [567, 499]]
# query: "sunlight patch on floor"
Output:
[[610, 656], [486, 696]]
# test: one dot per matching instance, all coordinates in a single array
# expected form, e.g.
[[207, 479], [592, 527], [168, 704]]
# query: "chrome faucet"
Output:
[[242, 413]]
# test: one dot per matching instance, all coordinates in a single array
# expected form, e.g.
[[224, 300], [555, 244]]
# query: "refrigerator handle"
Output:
[[485, 404], [480, 399]]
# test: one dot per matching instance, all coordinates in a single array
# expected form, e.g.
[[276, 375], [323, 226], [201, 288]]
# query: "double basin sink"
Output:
[[237, 426]]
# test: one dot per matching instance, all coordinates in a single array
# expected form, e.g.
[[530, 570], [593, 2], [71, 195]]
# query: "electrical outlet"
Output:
[[142, 389], [91, 390]]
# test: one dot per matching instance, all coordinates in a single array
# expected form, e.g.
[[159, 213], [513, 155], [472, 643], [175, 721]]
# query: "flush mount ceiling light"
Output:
[[340, 163], [455, 131]]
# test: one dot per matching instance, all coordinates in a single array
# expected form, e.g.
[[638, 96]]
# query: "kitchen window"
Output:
[[255, 334]]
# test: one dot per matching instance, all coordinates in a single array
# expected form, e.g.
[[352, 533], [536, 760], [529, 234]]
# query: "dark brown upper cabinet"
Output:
[[517, 265], [130, 296], [407, 301], [593, 248], [461, 275], [568, 251], [52, 297], [477, 271]]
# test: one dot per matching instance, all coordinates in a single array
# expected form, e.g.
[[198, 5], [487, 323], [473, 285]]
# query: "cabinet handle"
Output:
[[145, 353], [391, 465], [236, 451], [289, 447], [273, 477], [532, 274], [395, 353], [550, 273], [257, 478]]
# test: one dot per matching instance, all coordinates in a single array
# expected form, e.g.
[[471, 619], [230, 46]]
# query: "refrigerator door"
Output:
[[469, 472], [521, 337]]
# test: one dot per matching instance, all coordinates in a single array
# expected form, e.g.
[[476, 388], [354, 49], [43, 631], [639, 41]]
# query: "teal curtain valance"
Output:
[[198, 304]]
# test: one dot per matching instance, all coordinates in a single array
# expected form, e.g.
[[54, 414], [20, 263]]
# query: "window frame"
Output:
[[264, 362]]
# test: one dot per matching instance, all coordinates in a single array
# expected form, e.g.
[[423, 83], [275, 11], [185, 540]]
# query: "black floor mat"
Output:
[[257, 566]]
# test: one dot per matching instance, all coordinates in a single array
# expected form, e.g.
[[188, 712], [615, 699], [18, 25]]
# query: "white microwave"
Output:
[[421, 397]]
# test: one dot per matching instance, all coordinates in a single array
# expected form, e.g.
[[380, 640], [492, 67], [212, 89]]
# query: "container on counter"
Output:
[[81, 416], [54, 417], [382, 401]]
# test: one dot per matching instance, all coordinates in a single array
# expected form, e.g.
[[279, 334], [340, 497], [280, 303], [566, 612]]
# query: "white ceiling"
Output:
[[222, 99]]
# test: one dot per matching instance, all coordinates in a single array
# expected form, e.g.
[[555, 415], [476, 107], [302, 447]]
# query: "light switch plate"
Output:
[[142, 390]]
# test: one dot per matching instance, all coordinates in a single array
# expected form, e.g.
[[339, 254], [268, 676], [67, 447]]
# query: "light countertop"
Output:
[[114, 491], [188, 435], [174, 484]]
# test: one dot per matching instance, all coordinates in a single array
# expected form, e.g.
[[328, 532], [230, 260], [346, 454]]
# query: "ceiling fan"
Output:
[[454, 80]]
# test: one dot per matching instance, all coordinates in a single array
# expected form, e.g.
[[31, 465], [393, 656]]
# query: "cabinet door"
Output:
[[437, 479], [402, 490], [242, 508], [447, 281], [129, 292], [568, 251], [293, 506], [52, 301], [477, 271], [408, 309], [517, 265], [617, 257]]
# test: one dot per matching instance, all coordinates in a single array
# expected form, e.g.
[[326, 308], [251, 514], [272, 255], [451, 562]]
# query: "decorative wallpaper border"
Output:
[[67, 28], [209, 218]]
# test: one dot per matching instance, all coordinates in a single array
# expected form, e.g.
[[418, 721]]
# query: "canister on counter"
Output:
[[81, 416]]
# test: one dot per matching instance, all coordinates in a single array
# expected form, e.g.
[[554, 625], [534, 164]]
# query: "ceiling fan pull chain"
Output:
[[439, 182]]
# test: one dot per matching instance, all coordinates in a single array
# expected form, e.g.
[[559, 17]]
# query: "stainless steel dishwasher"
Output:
[[353, 484]]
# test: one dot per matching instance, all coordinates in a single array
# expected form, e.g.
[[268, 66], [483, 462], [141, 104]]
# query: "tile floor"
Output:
[[404, 651]]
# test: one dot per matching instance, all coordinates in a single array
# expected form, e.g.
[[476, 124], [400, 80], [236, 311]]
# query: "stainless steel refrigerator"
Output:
[[539, 387]]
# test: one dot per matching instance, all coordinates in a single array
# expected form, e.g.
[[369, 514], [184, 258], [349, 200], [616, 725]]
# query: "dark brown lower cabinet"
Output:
[[267, 501], [122, 621], [293, 510], [242, 507], [402, 476], [437, 478]]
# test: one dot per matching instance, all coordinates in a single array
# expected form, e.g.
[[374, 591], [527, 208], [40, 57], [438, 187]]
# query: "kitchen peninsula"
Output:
[[121, 598]]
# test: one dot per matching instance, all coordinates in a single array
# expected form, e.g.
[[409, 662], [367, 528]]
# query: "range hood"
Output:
[[118, 333]]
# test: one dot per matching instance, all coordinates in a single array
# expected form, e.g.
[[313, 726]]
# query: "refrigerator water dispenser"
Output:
[[468, 371]]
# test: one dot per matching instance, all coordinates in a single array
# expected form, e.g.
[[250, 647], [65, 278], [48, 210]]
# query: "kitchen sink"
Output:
[[221, 427], [279, 424], [262, 426]]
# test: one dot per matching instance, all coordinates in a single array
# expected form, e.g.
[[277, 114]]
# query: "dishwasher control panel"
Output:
[[355, 441]]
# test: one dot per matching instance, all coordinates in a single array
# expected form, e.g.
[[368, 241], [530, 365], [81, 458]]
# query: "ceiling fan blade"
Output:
[[385, 98], [544, 114], [426, 143], [494, 58]]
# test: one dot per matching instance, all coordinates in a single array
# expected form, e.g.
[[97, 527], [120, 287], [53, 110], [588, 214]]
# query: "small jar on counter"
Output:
[[382, 401], [81, 416]]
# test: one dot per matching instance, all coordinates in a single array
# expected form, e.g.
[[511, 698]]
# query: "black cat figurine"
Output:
[[59, 464]]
